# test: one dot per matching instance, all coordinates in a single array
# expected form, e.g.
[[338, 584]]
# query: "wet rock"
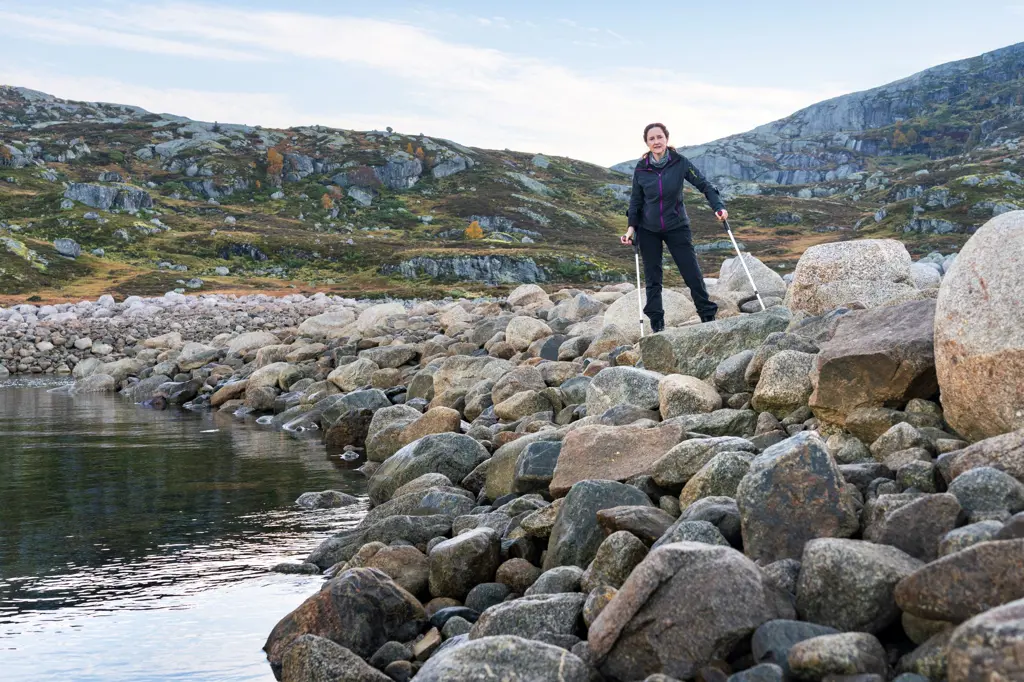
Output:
[[327, 499], [317, 659]]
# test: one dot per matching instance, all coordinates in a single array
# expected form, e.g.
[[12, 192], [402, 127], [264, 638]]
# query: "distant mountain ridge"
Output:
[[938, 112]]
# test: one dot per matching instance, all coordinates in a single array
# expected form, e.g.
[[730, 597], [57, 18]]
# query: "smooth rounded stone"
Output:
[[94, 383], [360, 609], [730, 375], [610, 453], [316, 659], [849, 584], [574, 391], [350, 428], [902, 458], [622, 385], [784, 573], [451, 454], [910, 677], [518, 574], [718, 478], [875, 358], [522, 331], [679, 394], [763, 672], [1012, 529], [703, 532], [86, 367], [979, 357], [798, 468], [898, 438], [853, 451], [558, 580], [616, 557], [539, 523], [920, 630], [251, 341], [576, 535], [503, 657], [523, 378], [669, 505], [722, 512], [683, 461], [502, 468], [442, 616], [457, 565], [147, 389], [988, 490], [497, 521], [456, 626], [536, 466], [422, 484], [522, 405], [919, 475], [437, 604], [622, 313], [685, 605], [784, 384], [773, 641], [530, 616], [597, 599], [327, 499], [388, 653], [260, 398], [961, 585], [733, 277], [623, 415], [195, 355], [326, 324], [475, 480], [1005, 453], [875, 272], [774, 343], [867, 424], [434, 420], [847, 653], [644, 522], [915, 526], [404, 564], [988, 646], [486, 595], [527, 296]]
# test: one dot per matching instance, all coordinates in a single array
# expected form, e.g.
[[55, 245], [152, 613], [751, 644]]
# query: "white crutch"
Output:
[[744, 264], [639, 301]]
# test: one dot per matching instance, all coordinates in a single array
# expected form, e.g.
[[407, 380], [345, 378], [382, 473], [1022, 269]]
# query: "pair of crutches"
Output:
[[639, 295]]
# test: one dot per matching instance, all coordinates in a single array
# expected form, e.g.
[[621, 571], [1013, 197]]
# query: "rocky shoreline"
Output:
[[831, 489]]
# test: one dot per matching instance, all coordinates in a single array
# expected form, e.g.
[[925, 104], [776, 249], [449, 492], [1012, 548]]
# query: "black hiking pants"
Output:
[[681, 247]]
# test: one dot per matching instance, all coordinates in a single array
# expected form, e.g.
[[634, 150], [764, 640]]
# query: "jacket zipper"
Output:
[[661, 203]]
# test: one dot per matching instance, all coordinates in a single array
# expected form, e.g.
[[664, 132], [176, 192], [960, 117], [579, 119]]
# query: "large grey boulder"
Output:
[[459, 564], [979, 350], [679, 310], [318, 659], [622, 386], [576, 534], [875, 272], [106, 197], [503, 657], [798, 468], [532, 616], [68, 248], [451, 454], [697, 350], [685, 605], [326, 324], [784, 384], [733, 278], [849, 584]]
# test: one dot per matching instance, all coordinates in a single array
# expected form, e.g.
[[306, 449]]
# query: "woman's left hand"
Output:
[[722, 215]]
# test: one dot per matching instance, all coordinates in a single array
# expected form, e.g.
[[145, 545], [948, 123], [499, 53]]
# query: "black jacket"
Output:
[[656, 203]]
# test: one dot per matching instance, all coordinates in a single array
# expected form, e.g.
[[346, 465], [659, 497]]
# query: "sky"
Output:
[[571, 78]]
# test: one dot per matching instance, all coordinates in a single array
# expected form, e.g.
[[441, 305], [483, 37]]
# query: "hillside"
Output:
[[157, 202]]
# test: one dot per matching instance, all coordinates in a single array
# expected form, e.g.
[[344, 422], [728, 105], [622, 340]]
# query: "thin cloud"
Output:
[[475, 95]]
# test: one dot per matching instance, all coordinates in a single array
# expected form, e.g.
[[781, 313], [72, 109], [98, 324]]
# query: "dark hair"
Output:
[[655, 125]]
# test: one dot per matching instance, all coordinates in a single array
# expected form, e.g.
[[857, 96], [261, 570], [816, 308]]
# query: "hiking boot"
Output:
[[657, 326], [708, 318]]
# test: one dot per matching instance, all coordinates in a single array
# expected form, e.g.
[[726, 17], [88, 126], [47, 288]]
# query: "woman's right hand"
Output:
[[627, 238]]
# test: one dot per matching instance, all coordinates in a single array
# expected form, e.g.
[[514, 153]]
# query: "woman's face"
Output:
[[656, 141]]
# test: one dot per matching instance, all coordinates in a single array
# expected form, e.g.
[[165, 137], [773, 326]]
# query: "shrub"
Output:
[[474, 231]]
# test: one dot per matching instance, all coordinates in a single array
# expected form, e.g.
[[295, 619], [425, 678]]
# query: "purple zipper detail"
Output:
[[661, 203]]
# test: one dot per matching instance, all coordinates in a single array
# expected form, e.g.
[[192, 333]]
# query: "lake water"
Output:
[[134, 544]]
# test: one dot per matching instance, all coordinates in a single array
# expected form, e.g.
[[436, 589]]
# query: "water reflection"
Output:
[[111, 509]]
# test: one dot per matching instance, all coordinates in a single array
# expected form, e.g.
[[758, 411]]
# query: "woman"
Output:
[[656, 215]]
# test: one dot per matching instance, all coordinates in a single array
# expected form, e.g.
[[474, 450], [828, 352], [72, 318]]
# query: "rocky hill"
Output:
[[105, 198]]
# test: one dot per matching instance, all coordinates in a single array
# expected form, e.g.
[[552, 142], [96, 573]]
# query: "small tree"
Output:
[[275, 162], [474, 231], [420, 154], [408, 149], [899, 140], [326, 202], [911, 137], [5, 153], [258, 185]]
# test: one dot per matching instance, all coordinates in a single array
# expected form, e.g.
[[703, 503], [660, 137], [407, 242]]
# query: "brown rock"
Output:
[[227, 392], [436, 420], [518, 574], [350, 429], [405, 564], [964, 584], [1005, 452], [610, 453], [876, 357], [685, 605], [988, 647]]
